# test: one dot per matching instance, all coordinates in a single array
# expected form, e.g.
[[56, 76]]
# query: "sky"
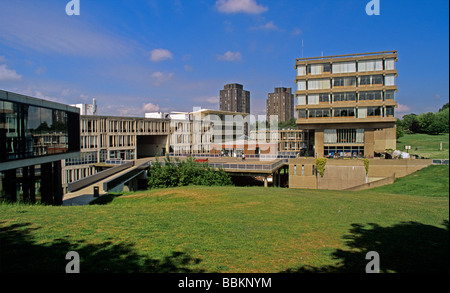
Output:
[[136, 57]]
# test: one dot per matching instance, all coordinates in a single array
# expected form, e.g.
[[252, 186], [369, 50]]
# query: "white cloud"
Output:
[[403, 108], [158, 55], [236, 6], [270, 26], [209, 100], [159, 77], [150, 107], [8, 74], [230, 56], [188, 68]]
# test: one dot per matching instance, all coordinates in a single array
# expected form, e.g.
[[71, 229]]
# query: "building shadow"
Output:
[[407, 247], [20, 253]]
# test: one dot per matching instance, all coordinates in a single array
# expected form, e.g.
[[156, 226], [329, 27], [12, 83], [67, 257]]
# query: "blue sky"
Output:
[[172, 55]]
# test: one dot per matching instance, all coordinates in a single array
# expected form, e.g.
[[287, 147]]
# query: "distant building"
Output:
[[87, 109], [280, 103], [233, 98]]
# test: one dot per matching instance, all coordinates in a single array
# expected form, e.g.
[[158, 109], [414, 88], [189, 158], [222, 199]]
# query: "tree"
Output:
[[290, 124], [410, 123], [432, 123]]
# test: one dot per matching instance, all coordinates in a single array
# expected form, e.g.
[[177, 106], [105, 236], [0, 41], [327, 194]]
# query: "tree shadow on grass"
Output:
[[407, 247], [19, 253]]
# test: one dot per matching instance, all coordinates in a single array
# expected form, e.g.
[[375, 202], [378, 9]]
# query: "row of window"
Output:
[[345, 67], [101, 125], [314, 99], [349, 81], [31, 131], [361, 112]]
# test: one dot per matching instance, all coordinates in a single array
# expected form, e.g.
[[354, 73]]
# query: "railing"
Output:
[[440, 162], [255, 167], [239, 166], [116, 162], [76, 185]]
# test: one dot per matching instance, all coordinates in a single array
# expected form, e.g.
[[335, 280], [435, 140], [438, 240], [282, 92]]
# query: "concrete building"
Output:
[[347, 102], [107, 138], [233, 98], [35, 137], [87, 109], [280, 103]]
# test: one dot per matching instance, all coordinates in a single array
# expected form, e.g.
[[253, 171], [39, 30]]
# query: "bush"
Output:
[[182, 173]]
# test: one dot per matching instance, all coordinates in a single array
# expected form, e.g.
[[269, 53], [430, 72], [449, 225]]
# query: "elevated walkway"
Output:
[[111, 180]]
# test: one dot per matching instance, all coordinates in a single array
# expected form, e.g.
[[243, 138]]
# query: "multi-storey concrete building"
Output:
[[233, 98], [280, 103], [107, 138], [347, 103]]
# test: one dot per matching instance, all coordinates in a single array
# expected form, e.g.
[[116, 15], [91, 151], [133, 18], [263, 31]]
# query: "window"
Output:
[[317, 84], [345, 96], [389, 64], [313, 99], [389, 111], [301, 70], [344, 81], [301, 113], [319, 113], [315, 69], [324, 98], [370, 96], [371, 80], [373, 111], [344, 67], [389, 95], [344, 112], [370, 65], [346, 135], [301, 85], [389, 80]]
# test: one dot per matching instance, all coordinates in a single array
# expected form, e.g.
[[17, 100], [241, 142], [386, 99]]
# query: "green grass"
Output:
[[428, 146], [430, 181], [233, 230]]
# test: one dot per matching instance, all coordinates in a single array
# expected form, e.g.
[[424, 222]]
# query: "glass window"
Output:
[[373, 111], [28, 131], [389, 95], [389, 111], [324, 98], [344, 112], [301, 113]]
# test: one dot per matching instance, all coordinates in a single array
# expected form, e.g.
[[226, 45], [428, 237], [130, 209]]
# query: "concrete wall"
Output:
[[343, 174], [401, 168]]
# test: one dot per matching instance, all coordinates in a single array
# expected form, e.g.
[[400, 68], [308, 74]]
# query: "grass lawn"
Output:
[[232, 230], [428, 146], [431, 181]]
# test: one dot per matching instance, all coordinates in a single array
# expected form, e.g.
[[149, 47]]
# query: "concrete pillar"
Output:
[[10, 185], [265, 182]]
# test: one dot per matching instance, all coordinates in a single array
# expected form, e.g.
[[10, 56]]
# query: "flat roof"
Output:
[[347, 56], [19, 98]]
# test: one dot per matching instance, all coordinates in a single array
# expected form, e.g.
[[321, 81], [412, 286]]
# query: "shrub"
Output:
[[182, 173]]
